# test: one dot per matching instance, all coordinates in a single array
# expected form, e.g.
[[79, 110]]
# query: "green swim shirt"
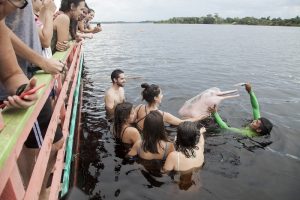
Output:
[[247, 131]]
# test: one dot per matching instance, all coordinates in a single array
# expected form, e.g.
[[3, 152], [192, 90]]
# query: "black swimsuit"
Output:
[[164, 155], [123, 133], [137, 126], [137, 122]]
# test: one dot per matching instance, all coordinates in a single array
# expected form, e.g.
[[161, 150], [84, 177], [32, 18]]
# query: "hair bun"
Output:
[[145, 85]]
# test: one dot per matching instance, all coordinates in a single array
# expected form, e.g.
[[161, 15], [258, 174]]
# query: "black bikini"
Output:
[[136, 123]]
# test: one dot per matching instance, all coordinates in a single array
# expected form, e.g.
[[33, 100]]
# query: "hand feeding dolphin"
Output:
[[198, 105]]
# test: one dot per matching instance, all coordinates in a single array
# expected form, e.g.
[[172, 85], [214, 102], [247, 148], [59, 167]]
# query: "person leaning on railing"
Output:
[[11, 75], [29, 48], [84, 23], [69, 10]]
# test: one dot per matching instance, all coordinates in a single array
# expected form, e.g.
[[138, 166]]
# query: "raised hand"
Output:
[[212, 109], [248, 87], [202, 130], [49, 5]]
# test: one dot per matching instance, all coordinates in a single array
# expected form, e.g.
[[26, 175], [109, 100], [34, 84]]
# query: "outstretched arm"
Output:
[[219, 120], [254, 102], [134, 150], [215, 114], [51, 65], [171, 119]]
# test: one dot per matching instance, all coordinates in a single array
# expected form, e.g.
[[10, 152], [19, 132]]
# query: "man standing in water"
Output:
[[115, 94]]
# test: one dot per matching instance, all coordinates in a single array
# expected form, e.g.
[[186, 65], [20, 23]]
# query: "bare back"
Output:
[[164, 148], [141, 112], [179, 162]]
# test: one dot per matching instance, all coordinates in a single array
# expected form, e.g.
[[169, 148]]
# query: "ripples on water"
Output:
[[185, 60]]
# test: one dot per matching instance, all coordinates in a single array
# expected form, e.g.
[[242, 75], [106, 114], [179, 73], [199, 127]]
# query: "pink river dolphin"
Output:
[[198, 105]]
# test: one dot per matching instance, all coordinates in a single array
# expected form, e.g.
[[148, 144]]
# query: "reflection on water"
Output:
[[185, 60]]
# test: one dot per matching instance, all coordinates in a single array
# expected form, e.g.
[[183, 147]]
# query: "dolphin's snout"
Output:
[[227, 92]]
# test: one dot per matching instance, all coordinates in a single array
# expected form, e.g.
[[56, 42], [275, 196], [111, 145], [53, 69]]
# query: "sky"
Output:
[[140, 10]]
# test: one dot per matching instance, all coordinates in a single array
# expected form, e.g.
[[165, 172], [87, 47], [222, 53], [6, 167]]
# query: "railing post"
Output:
[[14, 188]]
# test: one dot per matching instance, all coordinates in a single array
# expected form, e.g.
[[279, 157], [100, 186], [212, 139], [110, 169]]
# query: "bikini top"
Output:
[[138, 127], [165, 151], [123, 133]]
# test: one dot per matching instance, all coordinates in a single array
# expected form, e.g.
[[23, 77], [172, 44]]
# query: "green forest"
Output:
[[216, 19]]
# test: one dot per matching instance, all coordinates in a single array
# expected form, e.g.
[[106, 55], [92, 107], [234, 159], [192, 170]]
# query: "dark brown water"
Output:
[[185, 60]]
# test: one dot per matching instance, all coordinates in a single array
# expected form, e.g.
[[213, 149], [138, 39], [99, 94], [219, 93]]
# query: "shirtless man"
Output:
[[115, 94]]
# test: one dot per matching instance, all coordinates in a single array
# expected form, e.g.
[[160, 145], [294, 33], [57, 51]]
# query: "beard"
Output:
[[120, 84]]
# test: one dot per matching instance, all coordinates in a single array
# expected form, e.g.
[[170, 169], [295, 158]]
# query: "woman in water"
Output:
[[189, 148], [152, 94], [155, 144], [122, 129]]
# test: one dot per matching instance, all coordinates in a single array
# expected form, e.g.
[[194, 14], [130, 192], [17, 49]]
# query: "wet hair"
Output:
[[149, 92], [153, 132], [265, 126], [66, 4], [115, 74], [122, 113], [188, 136], [73, 28]]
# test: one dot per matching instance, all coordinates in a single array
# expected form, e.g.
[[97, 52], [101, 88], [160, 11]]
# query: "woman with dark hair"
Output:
[[189, 147], [152, 94], [122, 129], [155, 144], [63, 25]]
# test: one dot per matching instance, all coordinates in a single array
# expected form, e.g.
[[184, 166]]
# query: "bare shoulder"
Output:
[[138, 107], [171, 159], [172, 155], [109, 92], [132, 130], [171, 147], [62, 18]]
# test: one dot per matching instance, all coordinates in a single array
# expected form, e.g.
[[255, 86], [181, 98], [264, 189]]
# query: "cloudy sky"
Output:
[[138, 10]]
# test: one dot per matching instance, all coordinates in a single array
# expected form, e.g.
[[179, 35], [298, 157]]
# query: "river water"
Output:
[[185, 60]]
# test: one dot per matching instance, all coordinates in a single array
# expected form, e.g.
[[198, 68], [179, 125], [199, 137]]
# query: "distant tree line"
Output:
[[215, 19]]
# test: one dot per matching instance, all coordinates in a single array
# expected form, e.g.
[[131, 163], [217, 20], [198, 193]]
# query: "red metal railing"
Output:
[[11, 185]]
